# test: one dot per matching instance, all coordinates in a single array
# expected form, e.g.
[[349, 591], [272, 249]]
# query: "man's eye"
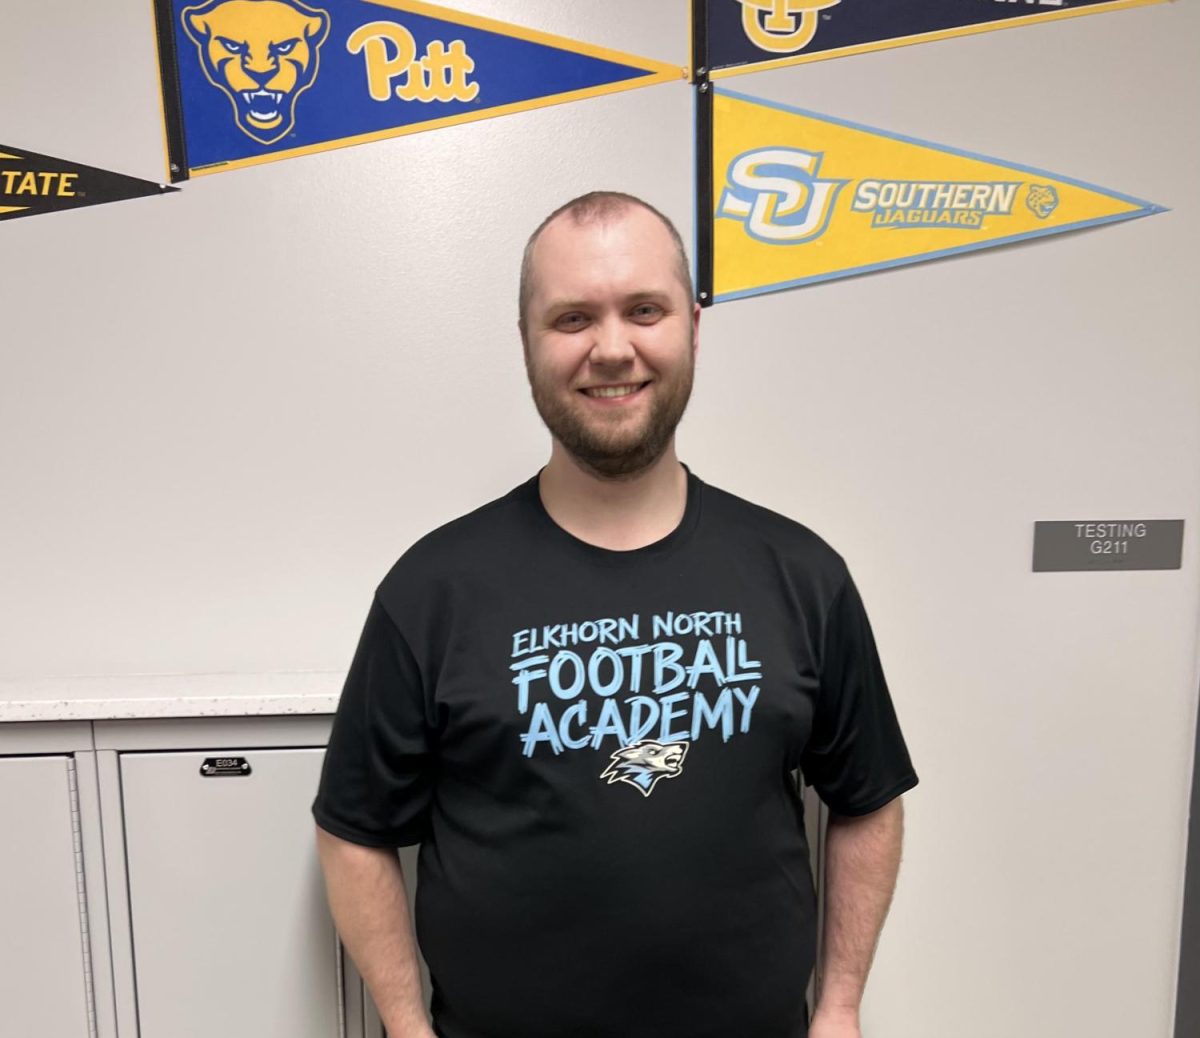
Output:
[[647, 311], [570, 322], [231, 45]]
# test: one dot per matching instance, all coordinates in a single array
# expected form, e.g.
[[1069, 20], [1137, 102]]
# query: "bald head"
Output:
[[599, 207]]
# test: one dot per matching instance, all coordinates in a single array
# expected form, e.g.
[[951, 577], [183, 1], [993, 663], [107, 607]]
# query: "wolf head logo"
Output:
[[262, 54], [644, 763]]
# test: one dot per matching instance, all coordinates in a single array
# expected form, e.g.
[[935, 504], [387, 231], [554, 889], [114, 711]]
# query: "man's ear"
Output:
[[696, 308]]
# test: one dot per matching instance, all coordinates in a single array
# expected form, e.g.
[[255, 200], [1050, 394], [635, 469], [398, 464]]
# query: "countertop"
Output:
[[169, 695]]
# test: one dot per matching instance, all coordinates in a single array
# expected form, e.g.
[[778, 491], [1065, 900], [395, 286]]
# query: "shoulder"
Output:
[[771, 537], [458, 547], [763, 524]]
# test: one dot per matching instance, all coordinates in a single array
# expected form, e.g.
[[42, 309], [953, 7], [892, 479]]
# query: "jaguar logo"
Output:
[[262, 54], [1042, 200]]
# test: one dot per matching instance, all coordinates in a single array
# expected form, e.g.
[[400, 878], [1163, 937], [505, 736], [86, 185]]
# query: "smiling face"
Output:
[[610, 338]]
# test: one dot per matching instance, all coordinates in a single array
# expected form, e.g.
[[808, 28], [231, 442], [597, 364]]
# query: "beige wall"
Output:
[[225, 412]]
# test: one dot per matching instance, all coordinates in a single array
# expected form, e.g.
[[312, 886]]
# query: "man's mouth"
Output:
[[605, 392]]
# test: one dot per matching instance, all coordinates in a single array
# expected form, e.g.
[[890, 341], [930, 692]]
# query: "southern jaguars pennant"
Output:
[[750, 35], [798, 198], [250, 81], [33, 184]]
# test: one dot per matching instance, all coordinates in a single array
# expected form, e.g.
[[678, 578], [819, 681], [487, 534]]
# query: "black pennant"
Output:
[[32, 184]]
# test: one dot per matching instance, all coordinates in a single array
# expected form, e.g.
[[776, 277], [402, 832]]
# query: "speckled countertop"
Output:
[[169, 695]]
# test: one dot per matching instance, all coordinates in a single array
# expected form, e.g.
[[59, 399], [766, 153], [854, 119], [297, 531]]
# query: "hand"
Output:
[[835, 1023]]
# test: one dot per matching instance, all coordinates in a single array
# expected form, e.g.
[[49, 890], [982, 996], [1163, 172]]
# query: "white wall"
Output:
[[225, 412]]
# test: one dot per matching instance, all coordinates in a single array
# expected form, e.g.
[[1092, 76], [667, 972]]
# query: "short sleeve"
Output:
[[376, 779], [856, 757]]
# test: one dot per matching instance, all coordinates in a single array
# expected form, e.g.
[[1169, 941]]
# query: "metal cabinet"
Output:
[[45, 967], [159, 879], [230, 929]]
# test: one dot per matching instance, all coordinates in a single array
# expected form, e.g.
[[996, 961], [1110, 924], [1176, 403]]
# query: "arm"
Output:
[[862, 859], [365, 887]]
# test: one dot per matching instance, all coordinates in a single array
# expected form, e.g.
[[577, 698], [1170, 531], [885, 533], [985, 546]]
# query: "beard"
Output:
[[619, 447]]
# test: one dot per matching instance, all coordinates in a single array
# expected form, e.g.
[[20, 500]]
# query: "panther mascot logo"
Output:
[[262, 54], [1042, 199], [644, 763]]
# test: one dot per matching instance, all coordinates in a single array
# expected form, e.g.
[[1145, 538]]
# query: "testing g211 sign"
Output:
[[249, 81], [1104, 544]]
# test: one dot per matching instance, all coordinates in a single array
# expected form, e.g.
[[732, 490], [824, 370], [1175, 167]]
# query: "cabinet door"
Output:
[[231, 932], [43, 964]]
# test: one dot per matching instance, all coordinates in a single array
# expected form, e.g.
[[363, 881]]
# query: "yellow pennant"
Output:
[[800, 198]]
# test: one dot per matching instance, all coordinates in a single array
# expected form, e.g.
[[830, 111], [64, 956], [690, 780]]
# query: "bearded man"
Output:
[[588, 701]]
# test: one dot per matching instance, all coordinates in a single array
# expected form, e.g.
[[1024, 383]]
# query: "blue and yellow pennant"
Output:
[[799, 198], [250, 81]]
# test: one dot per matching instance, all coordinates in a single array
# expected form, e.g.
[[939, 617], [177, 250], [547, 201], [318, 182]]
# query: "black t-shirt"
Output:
[[594, 749]]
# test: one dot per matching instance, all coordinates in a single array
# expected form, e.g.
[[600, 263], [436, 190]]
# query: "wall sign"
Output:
[[750, 35], [32, 184], [1107, 544], [795, 198], [250, 81]]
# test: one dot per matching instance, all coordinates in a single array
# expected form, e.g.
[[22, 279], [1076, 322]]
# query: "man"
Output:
[[586, 700]]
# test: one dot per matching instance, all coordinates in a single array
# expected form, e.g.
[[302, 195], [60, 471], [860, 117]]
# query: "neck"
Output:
[[619, 513]]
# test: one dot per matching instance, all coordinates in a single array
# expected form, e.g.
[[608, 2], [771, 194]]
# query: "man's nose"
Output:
[[613, 342]]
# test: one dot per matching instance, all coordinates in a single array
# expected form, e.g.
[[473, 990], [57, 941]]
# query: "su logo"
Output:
[[262, 54], [775, 191], [782, 26]]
